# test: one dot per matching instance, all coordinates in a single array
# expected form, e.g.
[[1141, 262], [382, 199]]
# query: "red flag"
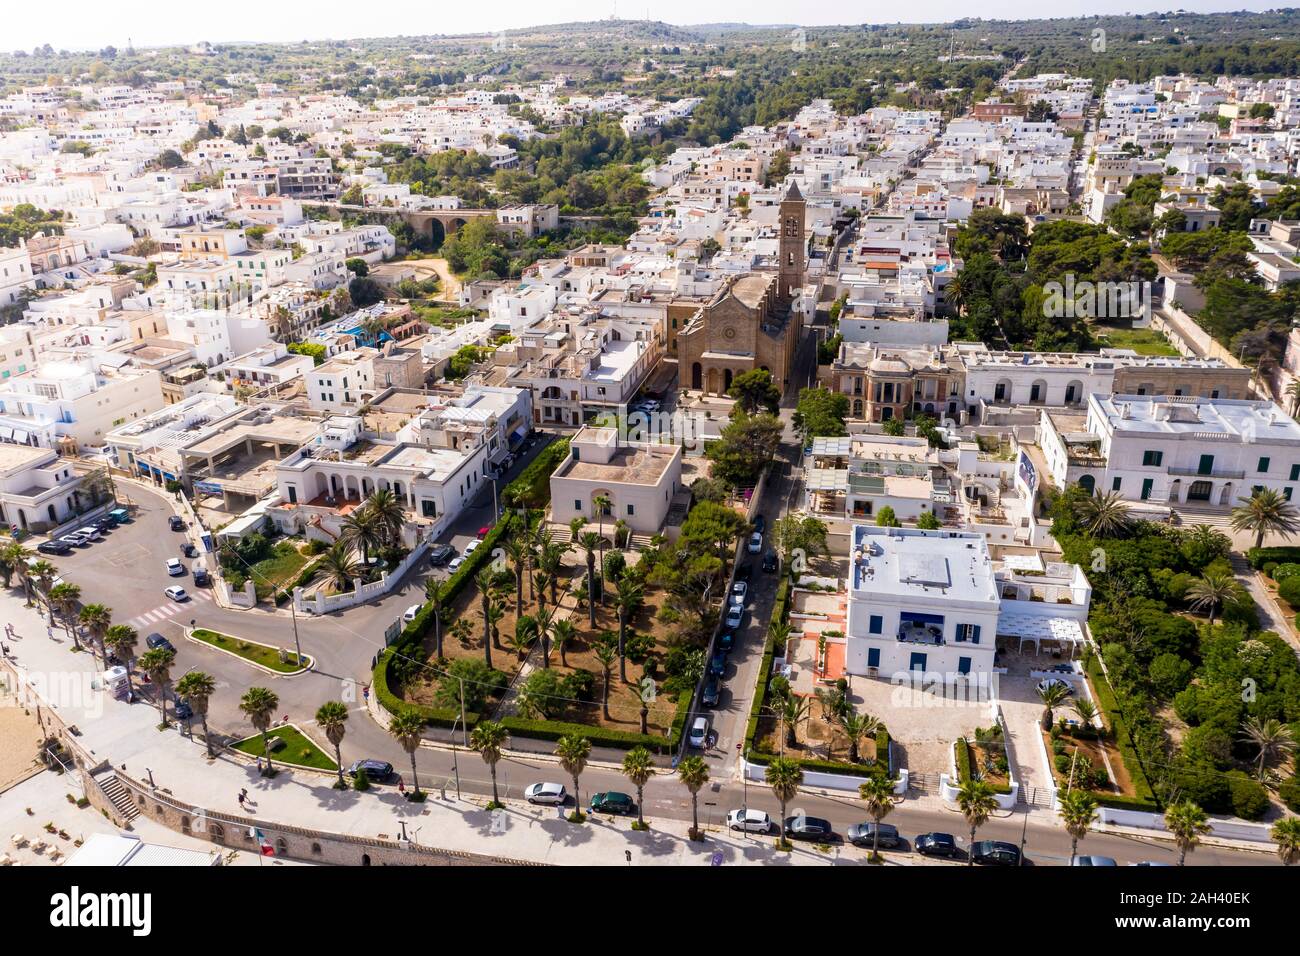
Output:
[[268, 850]]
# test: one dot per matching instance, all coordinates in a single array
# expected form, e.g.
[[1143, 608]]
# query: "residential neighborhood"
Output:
[[638, 444]]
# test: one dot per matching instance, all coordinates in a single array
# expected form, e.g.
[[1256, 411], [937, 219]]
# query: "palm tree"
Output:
[[122, 640], [157, 663], [544, 623], [433, 592], [1078, 812], [857, 726], [332, 717], [258, 704], [339, 566], [515, 547], [1209, 541], [784, 777], [197, 688], [386, 510], [67, 598], [1052, 695], [606, 655], [496, 611], [590, 542], [1085, 710], [16, 556], [878, 792], [1213, 591], [489, 738], [552, 562], [1273, 739], [484, 582], [576, 524], [638, 767], [96, 619], [628, 601], [1286, 834], [43, 574], [1292, 391], [977, 803], [601, 503], [1188, 823], [573, 752], [1106, 515], [791, 711], [407, 728], [564, 631], [1266, 512], [361, 530], [694, 773]]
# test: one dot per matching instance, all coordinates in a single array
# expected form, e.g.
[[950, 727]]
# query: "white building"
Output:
[[639, 479]]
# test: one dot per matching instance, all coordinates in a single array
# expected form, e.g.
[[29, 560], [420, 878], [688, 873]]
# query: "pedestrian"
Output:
[[259, 764], [401, 785], [240, 798], [365, 692]]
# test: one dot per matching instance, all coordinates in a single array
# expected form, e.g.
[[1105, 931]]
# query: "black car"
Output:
[[808, 828], [718, 666], [189, 550], [712, 691], [936, 844], [864, 834], [54, 547], [156, 642], [378, 770], [995, 853], [441, 555], [176, 523], [743, 572], [105, 524], [760, 524], [183, 710], [770, 562]]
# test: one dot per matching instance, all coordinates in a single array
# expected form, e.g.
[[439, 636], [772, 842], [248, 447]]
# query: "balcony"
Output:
[[930, 634], [1212, 473]]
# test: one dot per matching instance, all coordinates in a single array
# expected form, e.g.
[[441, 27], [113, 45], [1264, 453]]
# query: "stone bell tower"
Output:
[[792, 247]]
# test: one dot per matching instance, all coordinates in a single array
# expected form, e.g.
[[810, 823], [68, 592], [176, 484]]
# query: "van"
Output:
[[119, 515], [88, 533]]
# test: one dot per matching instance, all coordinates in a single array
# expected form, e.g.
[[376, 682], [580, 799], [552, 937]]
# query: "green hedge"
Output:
[[434, 716], [602, 736], [1258, 557], [532, 487], [961, 750], [1144, 797], [876, 768]]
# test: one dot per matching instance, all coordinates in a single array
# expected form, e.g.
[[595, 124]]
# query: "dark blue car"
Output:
[[718, 665]]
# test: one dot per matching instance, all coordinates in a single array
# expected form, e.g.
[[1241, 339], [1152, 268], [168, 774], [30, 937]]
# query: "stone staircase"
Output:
[[1190, 515], [117, 794]]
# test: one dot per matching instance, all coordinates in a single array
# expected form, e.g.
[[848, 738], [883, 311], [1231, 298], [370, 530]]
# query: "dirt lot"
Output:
[[20, 736]]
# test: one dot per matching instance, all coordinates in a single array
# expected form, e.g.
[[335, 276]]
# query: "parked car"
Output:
[[156, 642], [735, 614], [201, 575], [483, 531], [377, 770], [72, 541], [189, 551], [712, 692], [752, 821], [808, 828], [755, 545], [472, 547], [548, 793], [57, 546], [89, 532], [936, 844], [995, 853], [770, 562], [699, 735], [455, 563], [176, 523], [176, 593], [1149, 863], [1092, 861], [760, 524], [612, 801], [718, 664], [183, 710], [864, 834], [104, 524], [726, 641], [441, 554], [739, 591], [174, 567], [409, 614], [1047, 682]]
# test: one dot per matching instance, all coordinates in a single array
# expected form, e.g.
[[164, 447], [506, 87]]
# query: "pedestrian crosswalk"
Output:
[[166, 611]]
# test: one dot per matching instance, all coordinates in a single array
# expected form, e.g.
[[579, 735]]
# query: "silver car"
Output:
[[553, 794]]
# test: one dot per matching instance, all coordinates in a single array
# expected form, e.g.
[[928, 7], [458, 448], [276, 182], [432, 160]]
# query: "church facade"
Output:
[[750, 322]]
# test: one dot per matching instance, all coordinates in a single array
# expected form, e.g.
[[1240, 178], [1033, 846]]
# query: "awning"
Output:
[[6, 434], [1036, 628], [20, 436], [519, 434]]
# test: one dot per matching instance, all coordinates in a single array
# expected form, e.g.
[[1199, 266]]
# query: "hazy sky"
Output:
[[92, 24]]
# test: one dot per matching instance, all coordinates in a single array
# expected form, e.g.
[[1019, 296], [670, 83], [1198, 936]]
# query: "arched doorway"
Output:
[[697, 376], [1200, 491], [1087, 483], [1225, 496], [726, 380]]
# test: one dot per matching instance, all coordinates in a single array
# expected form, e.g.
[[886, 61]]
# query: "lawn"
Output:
[[263, 654], [1142, 341], [298, 750], [277, 571]]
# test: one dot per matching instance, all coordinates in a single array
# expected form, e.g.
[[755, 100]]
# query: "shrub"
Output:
[[1249, 798], [1259, 556], [1282, 572], [1289, 591], [1169, 674], [1289, 792]]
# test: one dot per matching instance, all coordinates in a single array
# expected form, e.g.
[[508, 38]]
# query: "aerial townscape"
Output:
[[620, 443]]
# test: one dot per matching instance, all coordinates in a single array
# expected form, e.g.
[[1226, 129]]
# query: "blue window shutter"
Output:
[[963, 665], [975, 638], [873, 657]]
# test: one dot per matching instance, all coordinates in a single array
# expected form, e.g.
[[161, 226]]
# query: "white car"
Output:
[[699, 736], [174, 567], [755, 545], [472, 547], [454, 564], [176, 593], [752, 821], [735, 614], [1047, 682], [409, 614], [738, 592], [549, 793]]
